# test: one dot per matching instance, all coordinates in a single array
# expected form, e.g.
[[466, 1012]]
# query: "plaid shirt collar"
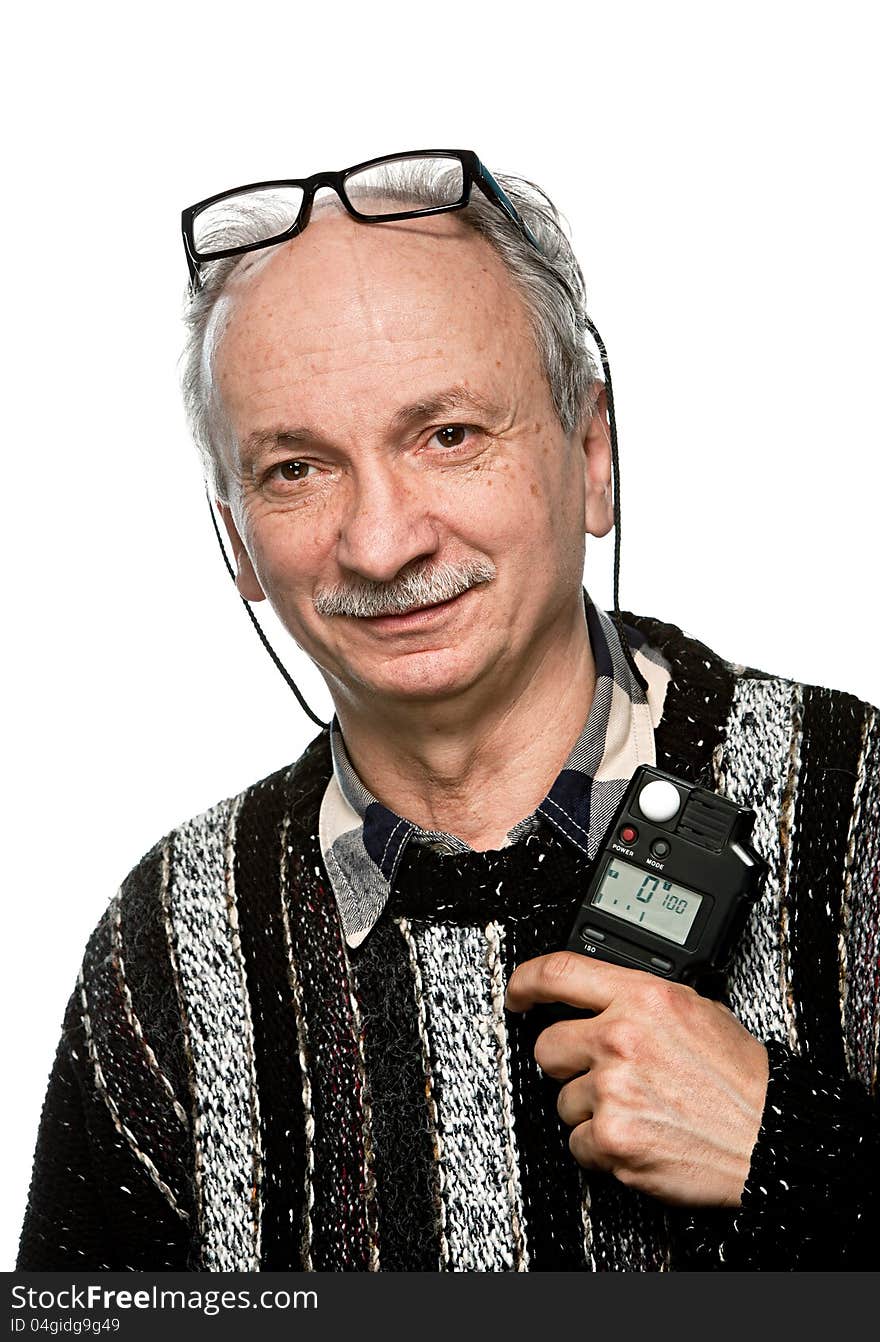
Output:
[[362, 841]]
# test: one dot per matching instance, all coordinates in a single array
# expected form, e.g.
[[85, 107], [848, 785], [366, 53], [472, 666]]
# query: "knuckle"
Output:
[[613, 1084], [554, 1049], [578, 1144], [622, 1038], [654, 994], [664, 1000], [613, 1135], [546, 1054], [558, 970]]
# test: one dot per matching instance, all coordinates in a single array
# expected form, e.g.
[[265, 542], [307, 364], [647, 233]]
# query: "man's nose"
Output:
[[387, 523]]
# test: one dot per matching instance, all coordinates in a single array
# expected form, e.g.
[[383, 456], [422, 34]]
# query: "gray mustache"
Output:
[[423, 587]]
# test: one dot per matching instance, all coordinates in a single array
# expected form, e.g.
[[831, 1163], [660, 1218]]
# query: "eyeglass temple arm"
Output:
[[499, 197], [195, 278]]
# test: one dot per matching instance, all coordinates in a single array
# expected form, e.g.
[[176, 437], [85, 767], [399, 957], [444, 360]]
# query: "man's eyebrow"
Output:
[[262, 439], [440, 403]]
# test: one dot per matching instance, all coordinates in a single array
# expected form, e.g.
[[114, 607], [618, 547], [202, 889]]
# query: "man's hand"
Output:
[[665, 1089]]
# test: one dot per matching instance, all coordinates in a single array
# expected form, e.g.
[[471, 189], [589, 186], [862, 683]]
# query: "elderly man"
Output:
[[303, 1034]]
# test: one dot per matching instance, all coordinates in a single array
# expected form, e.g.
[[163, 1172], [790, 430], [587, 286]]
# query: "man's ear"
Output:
[[596, 441], [246, 579]]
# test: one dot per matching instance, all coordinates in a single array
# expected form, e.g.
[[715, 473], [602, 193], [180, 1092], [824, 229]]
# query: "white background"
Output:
[[717, 165]]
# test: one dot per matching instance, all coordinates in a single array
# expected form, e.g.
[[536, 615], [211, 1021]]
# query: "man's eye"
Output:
[[451, 435], [291, 470]]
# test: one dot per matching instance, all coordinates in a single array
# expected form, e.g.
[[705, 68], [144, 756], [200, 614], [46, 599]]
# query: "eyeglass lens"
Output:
[[392, 186], [389, 187], [247, 217]]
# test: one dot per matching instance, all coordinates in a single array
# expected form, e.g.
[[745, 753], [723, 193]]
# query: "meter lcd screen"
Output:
[[662, 907]]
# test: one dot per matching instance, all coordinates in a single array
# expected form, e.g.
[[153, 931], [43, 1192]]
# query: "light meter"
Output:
[[673, 883]]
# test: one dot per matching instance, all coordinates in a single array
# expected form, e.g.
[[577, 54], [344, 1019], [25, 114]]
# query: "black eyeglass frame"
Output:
[[474, 173]]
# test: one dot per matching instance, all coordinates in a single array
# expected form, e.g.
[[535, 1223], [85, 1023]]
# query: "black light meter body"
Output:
[[674, 881]]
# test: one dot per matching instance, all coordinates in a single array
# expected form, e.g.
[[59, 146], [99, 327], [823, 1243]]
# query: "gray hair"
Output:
[[549, 281]]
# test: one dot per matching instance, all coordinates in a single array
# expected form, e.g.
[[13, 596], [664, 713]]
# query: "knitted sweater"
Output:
[[237, 1089]]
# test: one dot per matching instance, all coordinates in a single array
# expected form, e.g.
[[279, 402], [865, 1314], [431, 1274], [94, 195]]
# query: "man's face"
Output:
[[391, 415]]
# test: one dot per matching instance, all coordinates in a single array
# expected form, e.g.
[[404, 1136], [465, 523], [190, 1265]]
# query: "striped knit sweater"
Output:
[[237, 1089]]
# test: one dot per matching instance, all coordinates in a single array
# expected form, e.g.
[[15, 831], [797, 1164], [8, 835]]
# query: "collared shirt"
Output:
[[362, 840]]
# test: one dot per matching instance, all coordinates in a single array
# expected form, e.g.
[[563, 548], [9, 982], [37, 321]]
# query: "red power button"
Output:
[[628, 834]]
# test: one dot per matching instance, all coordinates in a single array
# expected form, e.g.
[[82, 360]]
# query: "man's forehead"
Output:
[[346, 293], [339, 262]]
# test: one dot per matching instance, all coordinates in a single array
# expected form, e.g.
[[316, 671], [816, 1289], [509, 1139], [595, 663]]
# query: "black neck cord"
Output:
[[255, 622], [615, 467]]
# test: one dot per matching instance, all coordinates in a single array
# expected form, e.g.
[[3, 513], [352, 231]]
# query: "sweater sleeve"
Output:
[[815, 1170], [811, 1201], [65, 1226], [110, 1187]]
